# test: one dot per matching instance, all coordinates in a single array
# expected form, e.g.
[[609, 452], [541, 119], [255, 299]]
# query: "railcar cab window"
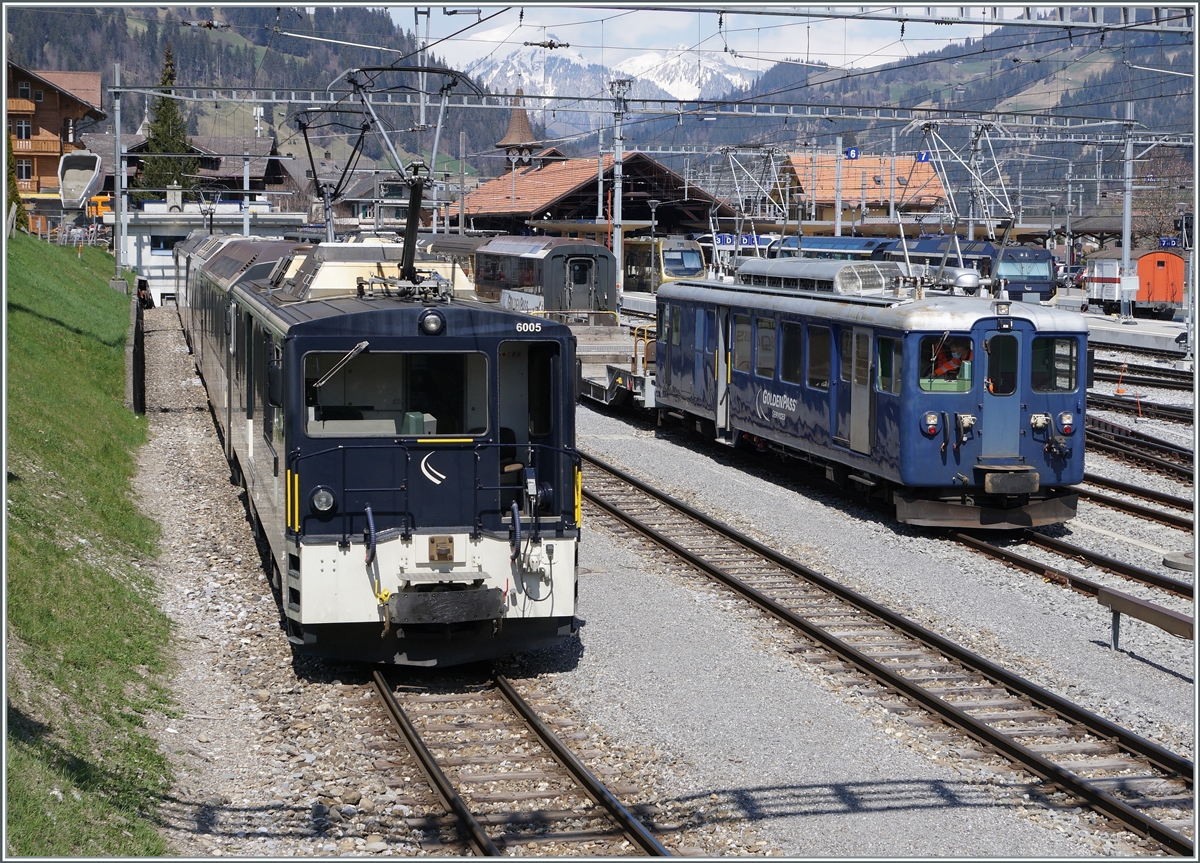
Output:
[[791, 366], [820, 343], [742, 343], [683, 262], [765, 356], [389, 393], [1055, 365], [945, 363]]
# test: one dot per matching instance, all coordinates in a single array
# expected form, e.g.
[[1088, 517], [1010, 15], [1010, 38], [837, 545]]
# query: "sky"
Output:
[[608, 35]]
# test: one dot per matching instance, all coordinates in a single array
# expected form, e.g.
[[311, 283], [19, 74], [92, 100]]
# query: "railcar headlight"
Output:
[[431, 322], [931, 423], [1066, 421], [322, 499]]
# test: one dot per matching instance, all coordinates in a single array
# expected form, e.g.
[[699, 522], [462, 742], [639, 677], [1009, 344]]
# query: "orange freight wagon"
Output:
[[1161, 283]]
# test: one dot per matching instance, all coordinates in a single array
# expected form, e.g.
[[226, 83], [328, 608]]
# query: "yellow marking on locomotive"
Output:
[[445, 440], [578, 496], [296, 500], [287, 488]]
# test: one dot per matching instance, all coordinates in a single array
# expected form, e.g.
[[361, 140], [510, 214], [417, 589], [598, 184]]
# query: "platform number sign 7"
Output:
[[923, 156], [852, 153]]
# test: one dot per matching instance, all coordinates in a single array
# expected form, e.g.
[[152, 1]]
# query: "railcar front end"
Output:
[[994, 436], [429, 485]]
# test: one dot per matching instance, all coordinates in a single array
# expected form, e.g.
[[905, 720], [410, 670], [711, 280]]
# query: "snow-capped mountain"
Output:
[[677, 74], [688, 74]]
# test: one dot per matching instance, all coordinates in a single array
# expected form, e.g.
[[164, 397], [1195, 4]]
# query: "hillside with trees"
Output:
[[243, 47]]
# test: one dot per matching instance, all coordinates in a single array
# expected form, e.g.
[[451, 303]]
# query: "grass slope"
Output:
[[87, 647]]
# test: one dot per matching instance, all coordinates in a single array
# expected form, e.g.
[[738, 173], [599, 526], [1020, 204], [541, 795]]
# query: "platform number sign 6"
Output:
[[852, 153]]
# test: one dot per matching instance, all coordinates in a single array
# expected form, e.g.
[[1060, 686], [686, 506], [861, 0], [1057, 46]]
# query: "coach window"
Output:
[[889, 365], [765, 355], [791, 365], [847, 357], [383, 394], [676, 323], [1055, 362], [819, 344], [742, 343]]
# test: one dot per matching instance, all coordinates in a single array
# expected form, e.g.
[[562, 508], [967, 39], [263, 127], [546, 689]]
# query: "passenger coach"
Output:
[[409, 457], [962, 411]]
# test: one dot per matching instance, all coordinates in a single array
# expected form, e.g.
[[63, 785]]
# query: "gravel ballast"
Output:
[[746, 748]]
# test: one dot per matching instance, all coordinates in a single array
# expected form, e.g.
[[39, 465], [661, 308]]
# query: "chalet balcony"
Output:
[[38, 145], [27, 185], [20, 106]]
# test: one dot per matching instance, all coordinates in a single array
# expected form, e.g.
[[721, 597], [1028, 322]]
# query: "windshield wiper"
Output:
[[355, 351]]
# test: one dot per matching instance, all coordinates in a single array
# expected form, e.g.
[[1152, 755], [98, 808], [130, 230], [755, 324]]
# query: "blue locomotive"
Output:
[[963, 411], [1026, 272], [409, 457]]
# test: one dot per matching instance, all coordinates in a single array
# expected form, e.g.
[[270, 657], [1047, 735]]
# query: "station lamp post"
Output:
[[1053, 199], [653, 209]]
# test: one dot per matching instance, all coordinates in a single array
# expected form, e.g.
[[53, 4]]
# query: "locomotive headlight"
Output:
[[322, 499], [1066, 421], [431, 322], [931, 423]]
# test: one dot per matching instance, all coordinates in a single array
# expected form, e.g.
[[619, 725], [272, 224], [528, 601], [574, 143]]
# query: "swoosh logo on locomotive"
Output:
[[432, 474]]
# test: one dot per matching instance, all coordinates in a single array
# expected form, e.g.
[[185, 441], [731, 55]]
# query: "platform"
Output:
[[1143, 334]]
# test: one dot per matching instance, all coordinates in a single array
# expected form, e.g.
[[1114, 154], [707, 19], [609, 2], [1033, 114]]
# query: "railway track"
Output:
[[1073, 552], [1137, 407], [1135, 782], [1172, 517], [1140, 448], [1163, 377], [506, 779]]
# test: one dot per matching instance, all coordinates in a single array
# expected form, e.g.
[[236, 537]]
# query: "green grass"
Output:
[[87, 646]]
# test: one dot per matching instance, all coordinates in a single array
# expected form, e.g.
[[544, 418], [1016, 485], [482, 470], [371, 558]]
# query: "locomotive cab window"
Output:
[[386, 393], [1055, 364], [946, 363]]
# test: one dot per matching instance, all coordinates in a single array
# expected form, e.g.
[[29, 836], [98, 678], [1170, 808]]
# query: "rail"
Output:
[[450, 798]]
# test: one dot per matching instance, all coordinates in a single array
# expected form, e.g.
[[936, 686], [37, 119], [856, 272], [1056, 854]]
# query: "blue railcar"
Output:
[[1026, 272], [866, 383], [833, 248]]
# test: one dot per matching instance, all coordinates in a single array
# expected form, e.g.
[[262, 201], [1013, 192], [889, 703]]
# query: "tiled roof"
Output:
[[923, 189], [84, 86], [537, 188]]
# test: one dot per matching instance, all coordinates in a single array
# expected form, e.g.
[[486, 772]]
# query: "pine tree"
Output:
[[168, 134], [14, 197]]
